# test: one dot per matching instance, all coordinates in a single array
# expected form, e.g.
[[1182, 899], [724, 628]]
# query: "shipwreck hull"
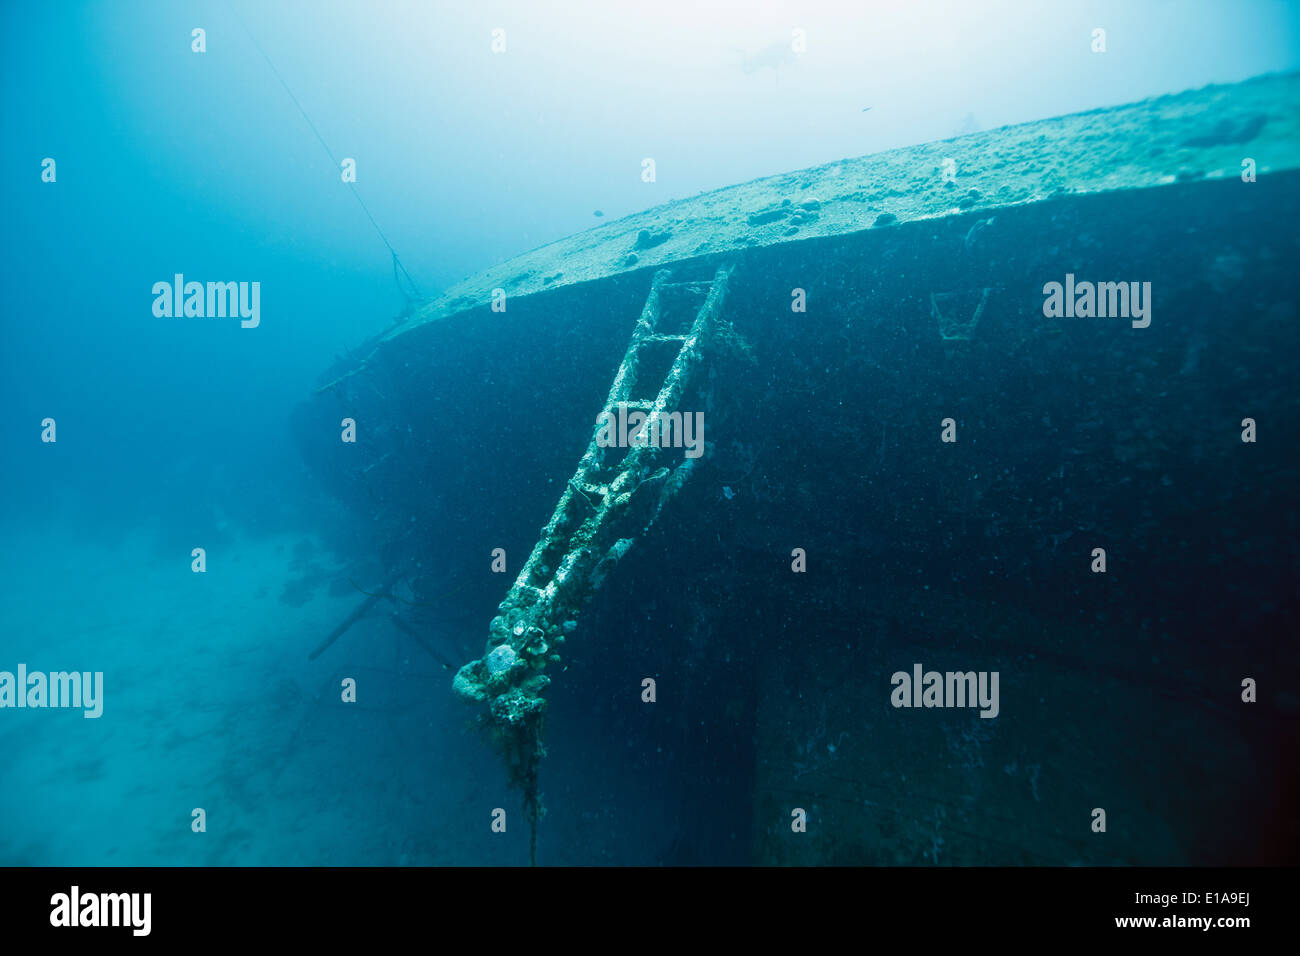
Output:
[[1119, 690]]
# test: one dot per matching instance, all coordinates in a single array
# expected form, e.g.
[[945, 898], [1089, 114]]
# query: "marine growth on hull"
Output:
[[950, 452]]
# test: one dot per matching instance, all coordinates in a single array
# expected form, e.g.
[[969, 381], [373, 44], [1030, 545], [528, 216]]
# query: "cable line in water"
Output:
[[397, 262]]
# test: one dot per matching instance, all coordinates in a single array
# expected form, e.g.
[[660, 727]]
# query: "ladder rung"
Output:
[[689, 286], [662, 337], [637, 406]]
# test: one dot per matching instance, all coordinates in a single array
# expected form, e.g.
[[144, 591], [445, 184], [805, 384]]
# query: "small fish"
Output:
[[866, 109], [598, 213]]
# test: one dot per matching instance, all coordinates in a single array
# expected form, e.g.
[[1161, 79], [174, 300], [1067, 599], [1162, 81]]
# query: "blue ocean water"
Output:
[[176, 433]]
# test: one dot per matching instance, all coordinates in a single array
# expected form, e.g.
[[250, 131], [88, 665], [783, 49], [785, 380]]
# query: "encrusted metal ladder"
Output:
[[614, 496]]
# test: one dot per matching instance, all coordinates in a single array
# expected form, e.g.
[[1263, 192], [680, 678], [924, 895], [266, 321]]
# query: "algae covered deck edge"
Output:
[[1198, 134]]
